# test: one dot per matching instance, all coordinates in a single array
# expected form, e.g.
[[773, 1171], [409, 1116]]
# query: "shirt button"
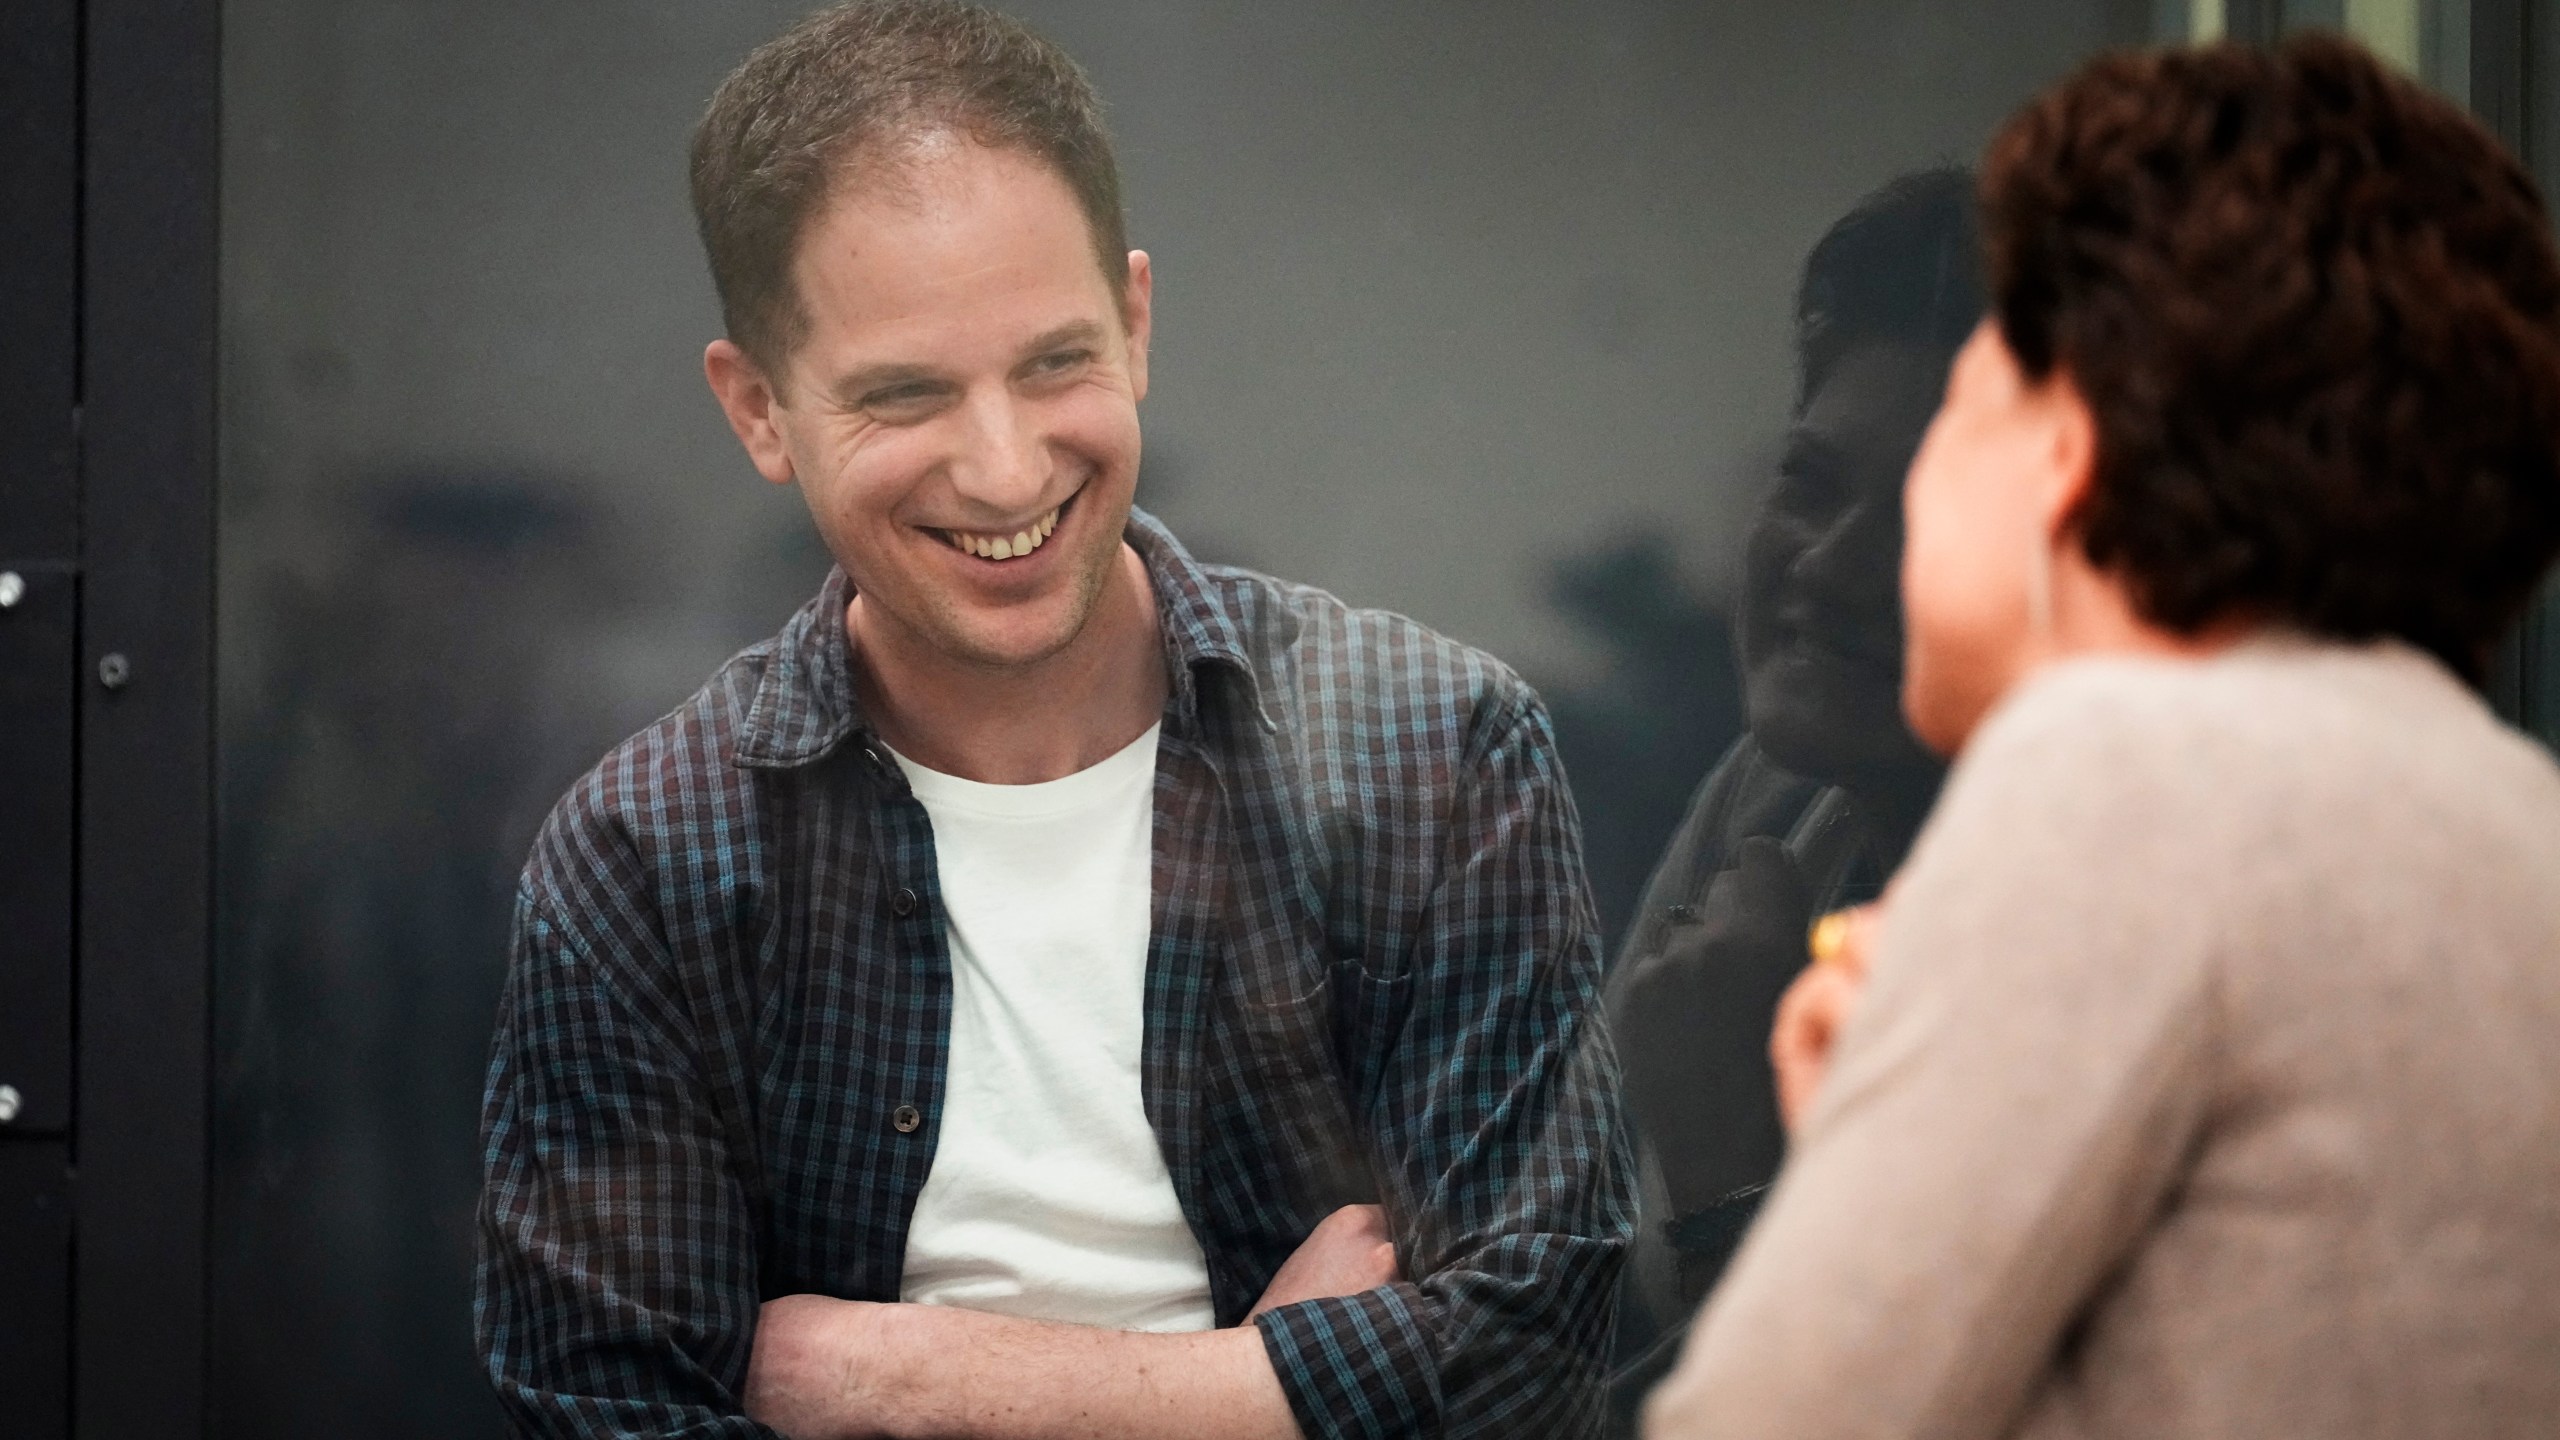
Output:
[[903, 904], [906, 1118]]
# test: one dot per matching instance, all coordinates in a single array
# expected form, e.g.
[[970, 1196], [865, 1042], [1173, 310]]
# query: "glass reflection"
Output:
[[1813, 807]]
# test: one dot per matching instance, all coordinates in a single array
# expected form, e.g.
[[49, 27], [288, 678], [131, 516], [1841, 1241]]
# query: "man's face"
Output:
[[1821, 623], [962, 414]]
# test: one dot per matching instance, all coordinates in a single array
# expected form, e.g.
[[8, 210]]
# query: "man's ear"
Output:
[[1137, 314], [748, 399]]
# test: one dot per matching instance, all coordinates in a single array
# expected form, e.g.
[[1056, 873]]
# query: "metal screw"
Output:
[[13, 588], [10, 1101], [114, 671]]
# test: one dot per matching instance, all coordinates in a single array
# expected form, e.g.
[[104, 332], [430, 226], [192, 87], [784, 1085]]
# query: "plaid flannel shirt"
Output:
[[1372, 975]]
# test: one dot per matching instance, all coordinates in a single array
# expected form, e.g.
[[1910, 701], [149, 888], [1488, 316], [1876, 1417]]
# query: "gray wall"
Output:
[[1447, 290]]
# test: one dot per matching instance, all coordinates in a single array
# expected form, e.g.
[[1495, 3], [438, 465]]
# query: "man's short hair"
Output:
[[834, 101], [2315, 312], [1904, 267]]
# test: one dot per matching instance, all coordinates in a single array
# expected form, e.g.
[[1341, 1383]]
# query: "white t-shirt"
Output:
[[1048, 1197]]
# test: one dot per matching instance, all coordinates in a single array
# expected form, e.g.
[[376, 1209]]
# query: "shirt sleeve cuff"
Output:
[[1355, 1365]]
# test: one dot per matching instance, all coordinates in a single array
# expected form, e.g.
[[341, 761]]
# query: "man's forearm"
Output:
[[838, 1370]]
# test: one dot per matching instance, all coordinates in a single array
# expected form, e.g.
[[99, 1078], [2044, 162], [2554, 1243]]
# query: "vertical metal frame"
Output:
[[2501, 92], [39, 547], [151, 141], [2541, 44], [2253, 22], [39, 623], [2502, 96]]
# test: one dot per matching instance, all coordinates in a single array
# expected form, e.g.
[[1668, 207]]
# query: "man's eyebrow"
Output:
[[852, 386]]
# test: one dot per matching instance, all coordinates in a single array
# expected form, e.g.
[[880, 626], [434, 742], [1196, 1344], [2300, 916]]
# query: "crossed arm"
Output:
[[844, 1370], [591, 1330]]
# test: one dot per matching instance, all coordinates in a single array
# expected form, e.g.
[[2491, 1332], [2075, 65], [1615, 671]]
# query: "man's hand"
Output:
[[1813, 1012], [1692, 1024], [822, 1369], [828, 1369], [1346, 1253]]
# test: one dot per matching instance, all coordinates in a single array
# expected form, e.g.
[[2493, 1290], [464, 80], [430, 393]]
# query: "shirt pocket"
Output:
[[1366, 1013]]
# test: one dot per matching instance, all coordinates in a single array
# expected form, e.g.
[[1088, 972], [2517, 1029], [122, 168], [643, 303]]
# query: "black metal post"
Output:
[[150, 112], [2501, 95], [39, 623]]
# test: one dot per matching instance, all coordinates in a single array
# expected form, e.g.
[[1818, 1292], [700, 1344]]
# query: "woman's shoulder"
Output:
[[2375, 733], [2280, 699]]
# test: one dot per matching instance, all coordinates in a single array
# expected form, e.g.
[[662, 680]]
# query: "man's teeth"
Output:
[[1005, 547]]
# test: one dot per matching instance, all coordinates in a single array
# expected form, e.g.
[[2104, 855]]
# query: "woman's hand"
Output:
[[1816, 1007]]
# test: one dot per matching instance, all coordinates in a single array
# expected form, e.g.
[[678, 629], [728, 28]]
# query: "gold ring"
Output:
[[1829, 938]]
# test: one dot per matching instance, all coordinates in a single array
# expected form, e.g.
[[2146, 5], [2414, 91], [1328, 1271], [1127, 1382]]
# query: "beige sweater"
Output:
[[2208, 1084]]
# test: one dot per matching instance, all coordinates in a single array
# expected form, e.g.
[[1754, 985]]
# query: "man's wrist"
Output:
[[944, 1373], [828, 1369], [890, 1343]]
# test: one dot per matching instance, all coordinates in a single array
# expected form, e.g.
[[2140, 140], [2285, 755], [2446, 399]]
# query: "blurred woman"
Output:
[[2208, 1079]]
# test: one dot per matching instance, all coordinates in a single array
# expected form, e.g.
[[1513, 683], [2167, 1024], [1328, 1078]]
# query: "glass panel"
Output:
[[2430, 39], [1488, 314], [2541, 707]]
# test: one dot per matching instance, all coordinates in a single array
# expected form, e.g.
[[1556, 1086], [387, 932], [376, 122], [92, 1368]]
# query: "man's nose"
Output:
[[1001, 463]]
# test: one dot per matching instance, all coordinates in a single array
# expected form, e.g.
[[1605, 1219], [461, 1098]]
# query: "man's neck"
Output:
[[1018, 725]]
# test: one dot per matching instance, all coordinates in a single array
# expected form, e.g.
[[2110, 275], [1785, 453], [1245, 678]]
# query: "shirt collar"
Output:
[[1196, 614], [804, 707]]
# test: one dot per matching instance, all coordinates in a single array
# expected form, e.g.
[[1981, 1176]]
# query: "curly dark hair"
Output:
[[2315, 312]]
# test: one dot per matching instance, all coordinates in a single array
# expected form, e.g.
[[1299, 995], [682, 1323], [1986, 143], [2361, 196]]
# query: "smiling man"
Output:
[[1055, 987]]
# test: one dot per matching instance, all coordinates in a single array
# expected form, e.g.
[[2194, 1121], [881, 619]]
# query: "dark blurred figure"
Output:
[[371, 814], [1814, 806], [1665, 703]]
